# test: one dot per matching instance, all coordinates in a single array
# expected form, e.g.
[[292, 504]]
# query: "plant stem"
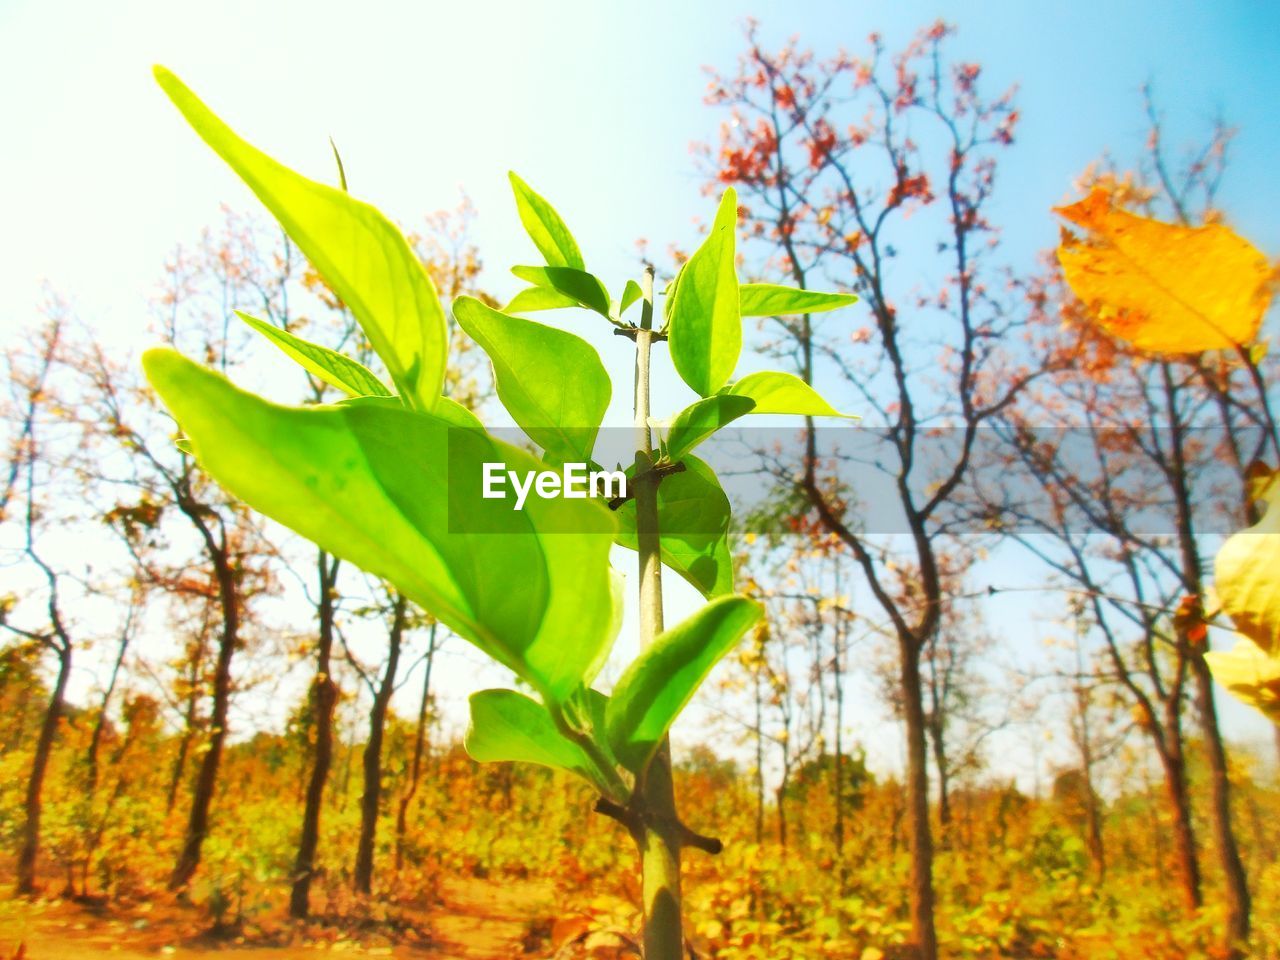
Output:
[[603, 773], [659, 841]]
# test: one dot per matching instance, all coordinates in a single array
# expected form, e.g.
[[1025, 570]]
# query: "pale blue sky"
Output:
[[594, 103]]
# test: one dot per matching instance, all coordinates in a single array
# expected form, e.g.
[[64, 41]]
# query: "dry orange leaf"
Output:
[[1162, 287]]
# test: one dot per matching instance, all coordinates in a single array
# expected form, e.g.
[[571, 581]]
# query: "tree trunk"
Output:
[[940, 764], [95, 739], [759, 731], [324, 695], [780, 797], [921, 839], [207, 779], [1092, 814], [26, 869], [373, 754], [1237, 887], [179, 767], [837, 794], [184, 745], [419, 745], [1184, 843], [936, 723]]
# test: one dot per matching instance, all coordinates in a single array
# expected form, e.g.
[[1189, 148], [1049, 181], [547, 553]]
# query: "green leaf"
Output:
[[533, 299], [399, 494], [578, 285], [669, 294], [630, 294], [508, 727], [352, 378], [456, 415], [778, 392], [771, 300], [705, 333], [545, 228], [551, 382], [359, 252], [663, 679], [617, 593], [700, 420], [450, 411], [693, 520]]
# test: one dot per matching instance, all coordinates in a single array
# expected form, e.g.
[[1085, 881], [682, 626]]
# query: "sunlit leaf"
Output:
[[450, 411], [705, 323], [359, 252], [669, 292], [1250, 674], [1164, 287], [508, 727], [630, 294], [456, 415], [771, 300], [693, 520], [398, 493], [700, 420], [352, 378], [533, 299], [661, 681], [545, 228], [578, 285], [551, 382], [617, 595], [776, 392], [1247, 574]]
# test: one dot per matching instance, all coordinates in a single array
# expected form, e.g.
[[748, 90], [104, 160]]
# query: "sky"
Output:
[[595, 103]]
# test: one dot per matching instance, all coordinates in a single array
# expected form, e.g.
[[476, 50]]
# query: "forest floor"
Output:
[[478, 920]]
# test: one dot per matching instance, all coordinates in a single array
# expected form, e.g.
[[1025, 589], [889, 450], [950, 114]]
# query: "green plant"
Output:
[[390, 479]]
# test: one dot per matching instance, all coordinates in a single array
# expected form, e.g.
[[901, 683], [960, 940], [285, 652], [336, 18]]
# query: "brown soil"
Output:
[[479, 920]]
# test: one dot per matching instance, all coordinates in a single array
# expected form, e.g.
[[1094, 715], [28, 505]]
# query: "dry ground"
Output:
[[479, 920]]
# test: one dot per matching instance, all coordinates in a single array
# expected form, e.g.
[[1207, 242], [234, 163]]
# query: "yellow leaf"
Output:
[[1163, 287], [1251, 675], [1247, 573]]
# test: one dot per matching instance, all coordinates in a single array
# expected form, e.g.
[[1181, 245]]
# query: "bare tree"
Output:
[[830, 158]]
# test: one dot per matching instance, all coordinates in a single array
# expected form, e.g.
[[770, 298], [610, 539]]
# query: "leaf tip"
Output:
[[169, 82], [519, 186], [159, 361], [164, 368]]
